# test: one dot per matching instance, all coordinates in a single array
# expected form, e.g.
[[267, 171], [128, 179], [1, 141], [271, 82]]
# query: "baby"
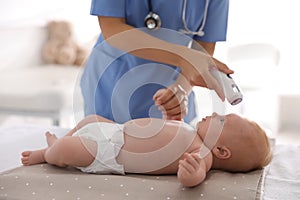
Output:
[[157, 146]]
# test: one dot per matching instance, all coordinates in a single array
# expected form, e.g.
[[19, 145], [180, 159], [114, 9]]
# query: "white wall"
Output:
[[275, 22], [16, 13], [23, 32], [270, 21]]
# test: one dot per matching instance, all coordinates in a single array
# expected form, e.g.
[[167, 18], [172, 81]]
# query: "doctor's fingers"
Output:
[[161, 95], [170, 97], [177, 113], [164, 95], [174, 101], [222, 67], [175, 107]]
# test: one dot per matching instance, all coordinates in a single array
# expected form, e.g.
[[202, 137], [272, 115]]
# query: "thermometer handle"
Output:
[[232, 92]]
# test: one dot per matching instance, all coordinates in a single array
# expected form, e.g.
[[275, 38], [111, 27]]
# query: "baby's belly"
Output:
[[172, 168], [160, 161]]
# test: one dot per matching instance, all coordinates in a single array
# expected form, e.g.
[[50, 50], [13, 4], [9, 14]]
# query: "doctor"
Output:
[[143, 64]]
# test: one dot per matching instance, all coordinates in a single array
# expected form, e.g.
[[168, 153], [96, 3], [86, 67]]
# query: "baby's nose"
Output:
[[214, 114]]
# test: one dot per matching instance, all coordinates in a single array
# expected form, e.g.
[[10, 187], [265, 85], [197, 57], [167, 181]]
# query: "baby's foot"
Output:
[[51, 138], [33, 157]]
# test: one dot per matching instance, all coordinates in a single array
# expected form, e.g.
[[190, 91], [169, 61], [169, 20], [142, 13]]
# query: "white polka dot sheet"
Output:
[[46, 182]]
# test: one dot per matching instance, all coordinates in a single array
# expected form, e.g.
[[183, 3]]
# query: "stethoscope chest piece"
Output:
[[152, 21]]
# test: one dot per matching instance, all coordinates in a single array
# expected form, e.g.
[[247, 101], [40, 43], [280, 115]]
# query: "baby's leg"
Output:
[[36, 157], [88, 119], [71, 151], [68, 150]]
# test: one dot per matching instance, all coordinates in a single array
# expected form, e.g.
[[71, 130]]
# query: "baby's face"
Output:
[[209, 122], [223, 126]]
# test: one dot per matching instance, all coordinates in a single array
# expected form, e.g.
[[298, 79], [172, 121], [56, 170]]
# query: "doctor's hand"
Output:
[[197, 67], [172, 101]]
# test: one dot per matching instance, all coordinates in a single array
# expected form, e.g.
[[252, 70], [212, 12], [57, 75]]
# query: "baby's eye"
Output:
[[222, 120]]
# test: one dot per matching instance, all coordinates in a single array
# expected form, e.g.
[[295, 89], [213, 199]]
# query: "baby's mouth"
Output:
[[204, 119]]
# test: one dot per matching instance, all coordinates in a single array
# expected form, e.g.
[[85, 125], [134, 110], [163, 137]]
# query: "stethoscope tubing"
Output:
[[153, 21]]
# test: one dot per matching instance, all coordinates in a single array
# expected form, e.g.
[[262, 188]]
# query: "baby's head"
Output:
[[240, 145]]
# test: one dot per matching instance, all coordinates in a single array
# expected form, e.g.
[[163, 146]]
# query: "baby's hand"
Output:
[[190, 170], [190, 164], [172, 101]]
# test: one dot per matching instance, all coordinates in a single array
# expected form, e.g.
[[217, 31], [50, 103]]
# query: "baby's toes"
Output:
[[26, 153], [48, 134], [25, 161]]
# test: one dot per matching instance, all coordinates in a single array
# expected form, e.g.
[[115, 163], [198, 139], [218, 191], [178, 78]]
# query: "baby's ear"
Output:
[[221, 152]]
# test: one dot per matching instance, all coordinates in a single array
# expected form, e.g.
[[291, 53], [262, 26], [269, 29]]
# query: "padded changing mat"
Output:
[[48, 182]]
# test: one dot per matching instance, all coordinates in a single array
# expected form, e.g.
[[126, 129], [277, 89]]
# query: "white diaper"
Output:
[[110, 139]]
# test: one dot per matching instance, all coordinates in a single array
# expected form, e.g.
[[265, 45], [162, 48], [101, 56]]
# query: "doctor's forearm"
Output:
[[127, 38], [209, 47]]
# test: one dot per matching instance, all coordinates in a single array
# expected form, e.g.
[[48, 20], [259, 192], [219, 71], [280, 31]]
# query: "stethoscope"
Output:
[[153, 21]]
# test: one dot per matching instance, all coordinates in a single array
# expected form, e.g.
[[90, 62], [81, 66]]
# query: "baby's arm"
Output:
[[191, 170]]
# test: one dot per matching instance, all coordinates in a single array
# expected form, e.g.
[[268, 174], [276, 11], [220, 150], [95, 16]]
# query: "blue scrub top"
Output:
[[120, 86]]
